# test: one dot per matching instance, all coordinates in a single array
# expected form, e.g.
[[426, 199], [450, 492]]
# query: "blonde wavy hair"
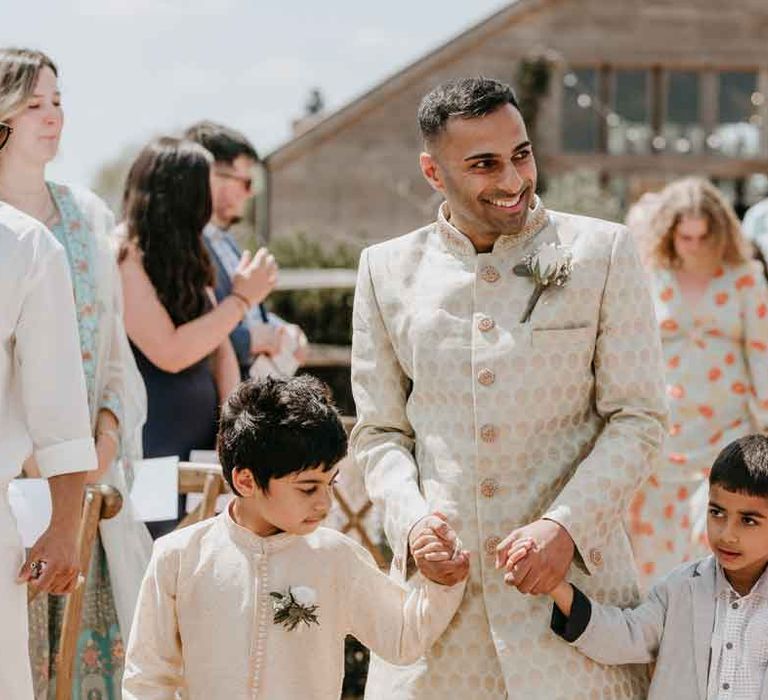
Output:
[[19, 69], [692, 196]]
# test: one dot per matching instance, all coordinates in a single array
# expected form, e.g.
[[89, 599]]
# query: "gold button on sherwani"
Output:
[[490, 274], [488, 433], [486, 324], [579, 408], [486, 377], [489, 487]]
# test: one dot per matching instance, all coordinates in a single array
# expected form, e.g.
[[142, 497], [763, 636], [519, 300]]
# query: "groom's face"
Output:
[[486, 170]]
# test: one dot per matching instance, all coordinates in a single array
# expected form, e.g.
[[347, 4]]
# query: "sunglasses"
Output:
[[5, 133], [244, 180]]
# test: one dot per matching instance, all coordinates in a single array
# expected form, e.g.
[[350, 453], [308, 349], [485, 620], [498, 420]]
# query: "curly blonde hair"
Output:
[[19, 69], [692, 196]]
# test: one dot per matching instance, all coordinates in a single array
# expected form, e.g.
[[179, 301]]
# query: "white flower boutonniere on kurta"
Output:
[[549, 266], [295, 606]]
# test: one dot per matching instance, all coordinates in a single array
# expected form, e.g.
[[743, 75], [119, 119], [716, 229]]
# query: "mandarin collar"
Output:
[[723, 588], [250, 540], [459, 243]]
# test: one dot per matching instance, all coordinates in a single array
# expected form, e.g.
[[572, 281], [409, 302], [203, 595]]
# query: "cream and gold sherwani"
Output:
[[463, 409]]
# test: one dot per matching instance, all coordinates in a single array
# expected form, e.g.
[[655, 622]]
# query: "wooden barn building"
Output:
[[634, 92]]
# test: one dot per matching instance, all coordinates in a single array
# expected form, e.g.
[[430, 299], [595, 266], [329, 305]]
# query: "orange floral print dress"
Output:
[[716, 356]]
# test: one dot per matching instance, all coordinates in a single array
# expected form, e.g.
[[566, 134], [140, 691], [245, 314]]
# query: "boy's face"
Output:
[[737, 527], [296, 503]]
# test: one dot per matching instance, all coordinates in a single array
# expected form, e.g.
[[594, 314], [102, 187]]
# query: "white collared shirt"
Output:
[[43, 405], [739, 652]]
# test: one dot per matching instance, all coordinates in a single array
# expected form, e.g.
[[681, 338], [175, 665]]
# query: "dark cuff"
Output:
[[571, 628]]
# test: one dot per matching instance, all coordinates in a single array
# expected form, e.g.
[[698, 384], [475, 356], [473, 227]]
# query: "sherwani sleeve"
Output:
[[53, 386], [629, 396], [396, 623], [153, 664], [383, 439], [612, 635], [754, 293]]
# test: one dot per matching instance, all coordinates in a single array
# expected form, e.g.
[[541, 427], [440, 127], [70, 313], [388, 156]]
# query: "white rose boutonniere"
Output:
[[549, 266], [295, 606]]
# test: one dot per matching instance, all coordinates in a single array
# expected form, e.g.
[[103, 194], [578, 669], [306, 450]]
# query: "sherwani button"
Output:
[[490, 545], [488, 433], [486, 324], [490, 274], [486, 377], [489, 487], [596, 557]]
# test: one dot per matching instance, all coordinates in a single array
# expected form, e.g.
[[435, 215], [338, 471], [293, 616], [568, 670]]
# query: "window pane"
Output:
[[630, 130], [579, 117], [682, 131], [738, 130]]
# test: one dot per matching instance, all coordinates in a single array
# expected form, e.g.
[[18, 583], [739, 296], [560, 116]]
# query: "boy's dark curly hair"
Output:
[[275, 427]]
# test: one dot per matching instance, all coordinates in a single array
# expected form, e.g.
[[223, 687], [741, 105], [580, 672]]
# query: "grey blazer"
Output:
[[672, 627]]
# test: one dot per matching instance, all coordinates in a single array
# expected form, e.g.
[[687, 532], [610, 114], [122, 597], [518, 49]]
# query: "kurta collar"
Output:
[[460, 244], [245, 538]]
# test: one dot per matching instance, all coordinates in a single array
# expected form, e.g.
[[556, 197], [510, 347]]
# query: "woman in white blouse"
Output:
[[30, 102]]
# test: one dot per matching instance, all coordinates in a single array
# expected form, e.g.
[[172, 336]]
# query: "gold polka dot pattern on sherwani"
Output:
[[495, 427]]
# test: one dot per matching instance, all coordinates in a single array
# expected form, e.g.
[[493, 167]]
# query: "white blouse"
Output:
[[205, 618], [43, 405]]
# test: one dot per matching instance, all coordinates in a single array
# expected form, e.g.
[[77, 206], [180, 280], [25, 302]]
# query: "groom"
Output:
[[513, 416]]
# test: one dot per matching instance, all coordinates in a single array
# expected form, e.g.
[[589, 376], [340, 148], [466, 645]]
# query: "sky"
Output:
[[133, 69]]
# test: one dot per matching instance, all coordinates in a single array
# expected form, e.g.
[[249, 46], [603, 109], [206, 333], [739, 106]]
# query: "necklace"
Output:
[[29, 203]]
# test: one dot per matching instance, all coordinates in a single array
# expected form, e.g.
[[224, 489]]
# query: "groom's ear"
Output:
[[431, 171]]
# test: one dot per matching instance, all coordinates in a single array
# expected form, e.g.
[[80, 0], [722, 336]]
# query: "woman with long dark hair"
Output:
[[180, 337]]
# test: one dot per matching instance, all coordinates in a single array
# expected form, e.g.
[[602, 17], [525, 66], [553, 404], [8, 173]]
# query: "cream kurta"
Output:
[[204, 618], [495, 423]]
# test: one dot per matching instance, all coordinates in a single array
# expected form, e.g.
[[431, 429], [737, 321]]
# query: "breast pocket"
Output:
[[563, 339]]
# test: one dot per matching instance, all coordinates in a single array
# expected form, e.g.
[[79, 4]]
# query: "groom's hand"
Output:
[[437, 551], [545, 564]]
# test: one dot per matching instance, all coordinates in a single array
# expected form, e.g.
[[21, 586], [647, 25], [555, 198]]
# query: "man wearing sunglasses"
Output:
[[260, 333], [43, 411]]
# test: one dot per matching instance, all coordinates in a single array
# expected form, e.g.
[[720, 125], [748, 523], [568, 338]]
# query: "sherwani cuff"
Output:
[[572, 627], [67, 457], [561, 514]]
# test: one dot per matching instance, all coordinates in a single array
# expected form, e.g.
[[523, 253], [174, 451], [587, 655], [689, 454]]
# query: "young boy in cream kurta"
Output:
[[256, 602]]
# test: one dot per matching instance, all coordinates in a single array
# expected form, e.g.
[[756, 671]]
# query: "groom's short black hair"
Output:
[[468, 98], [275, 427], [742, 466]]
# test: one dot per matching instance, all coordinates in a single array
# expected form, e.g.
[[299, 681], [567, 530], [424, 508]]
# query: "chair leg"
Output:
[[211, 491], [73, 609]]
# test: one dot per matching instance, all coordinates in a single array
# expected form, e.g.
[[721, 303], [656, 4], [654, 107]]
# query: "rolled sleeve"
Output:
[[52, 385]]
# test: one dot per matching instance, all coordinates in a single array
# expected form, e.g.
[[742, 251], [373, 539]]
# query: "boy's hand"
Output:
[[548, 561], [519, 551], [437, 550]]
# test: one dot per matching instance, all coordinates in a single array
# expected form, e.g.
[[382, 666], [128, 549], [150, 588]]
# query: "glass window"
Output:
[[738, 129], [682, 131], [580, 133], [629, 128]]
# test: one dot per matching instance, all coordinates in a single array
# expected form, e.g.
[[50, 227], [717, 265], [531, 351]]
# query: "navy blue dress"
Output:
[[182, 414]]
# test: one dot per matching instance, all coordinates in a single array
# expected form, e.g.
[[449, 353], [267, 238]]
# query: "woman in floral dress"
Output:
[[30, 102], [712, 308]]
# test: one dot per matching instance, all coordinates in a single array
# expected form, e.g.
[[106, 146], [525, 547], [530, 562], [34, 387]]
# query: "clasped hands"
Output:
[[535, 557]]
